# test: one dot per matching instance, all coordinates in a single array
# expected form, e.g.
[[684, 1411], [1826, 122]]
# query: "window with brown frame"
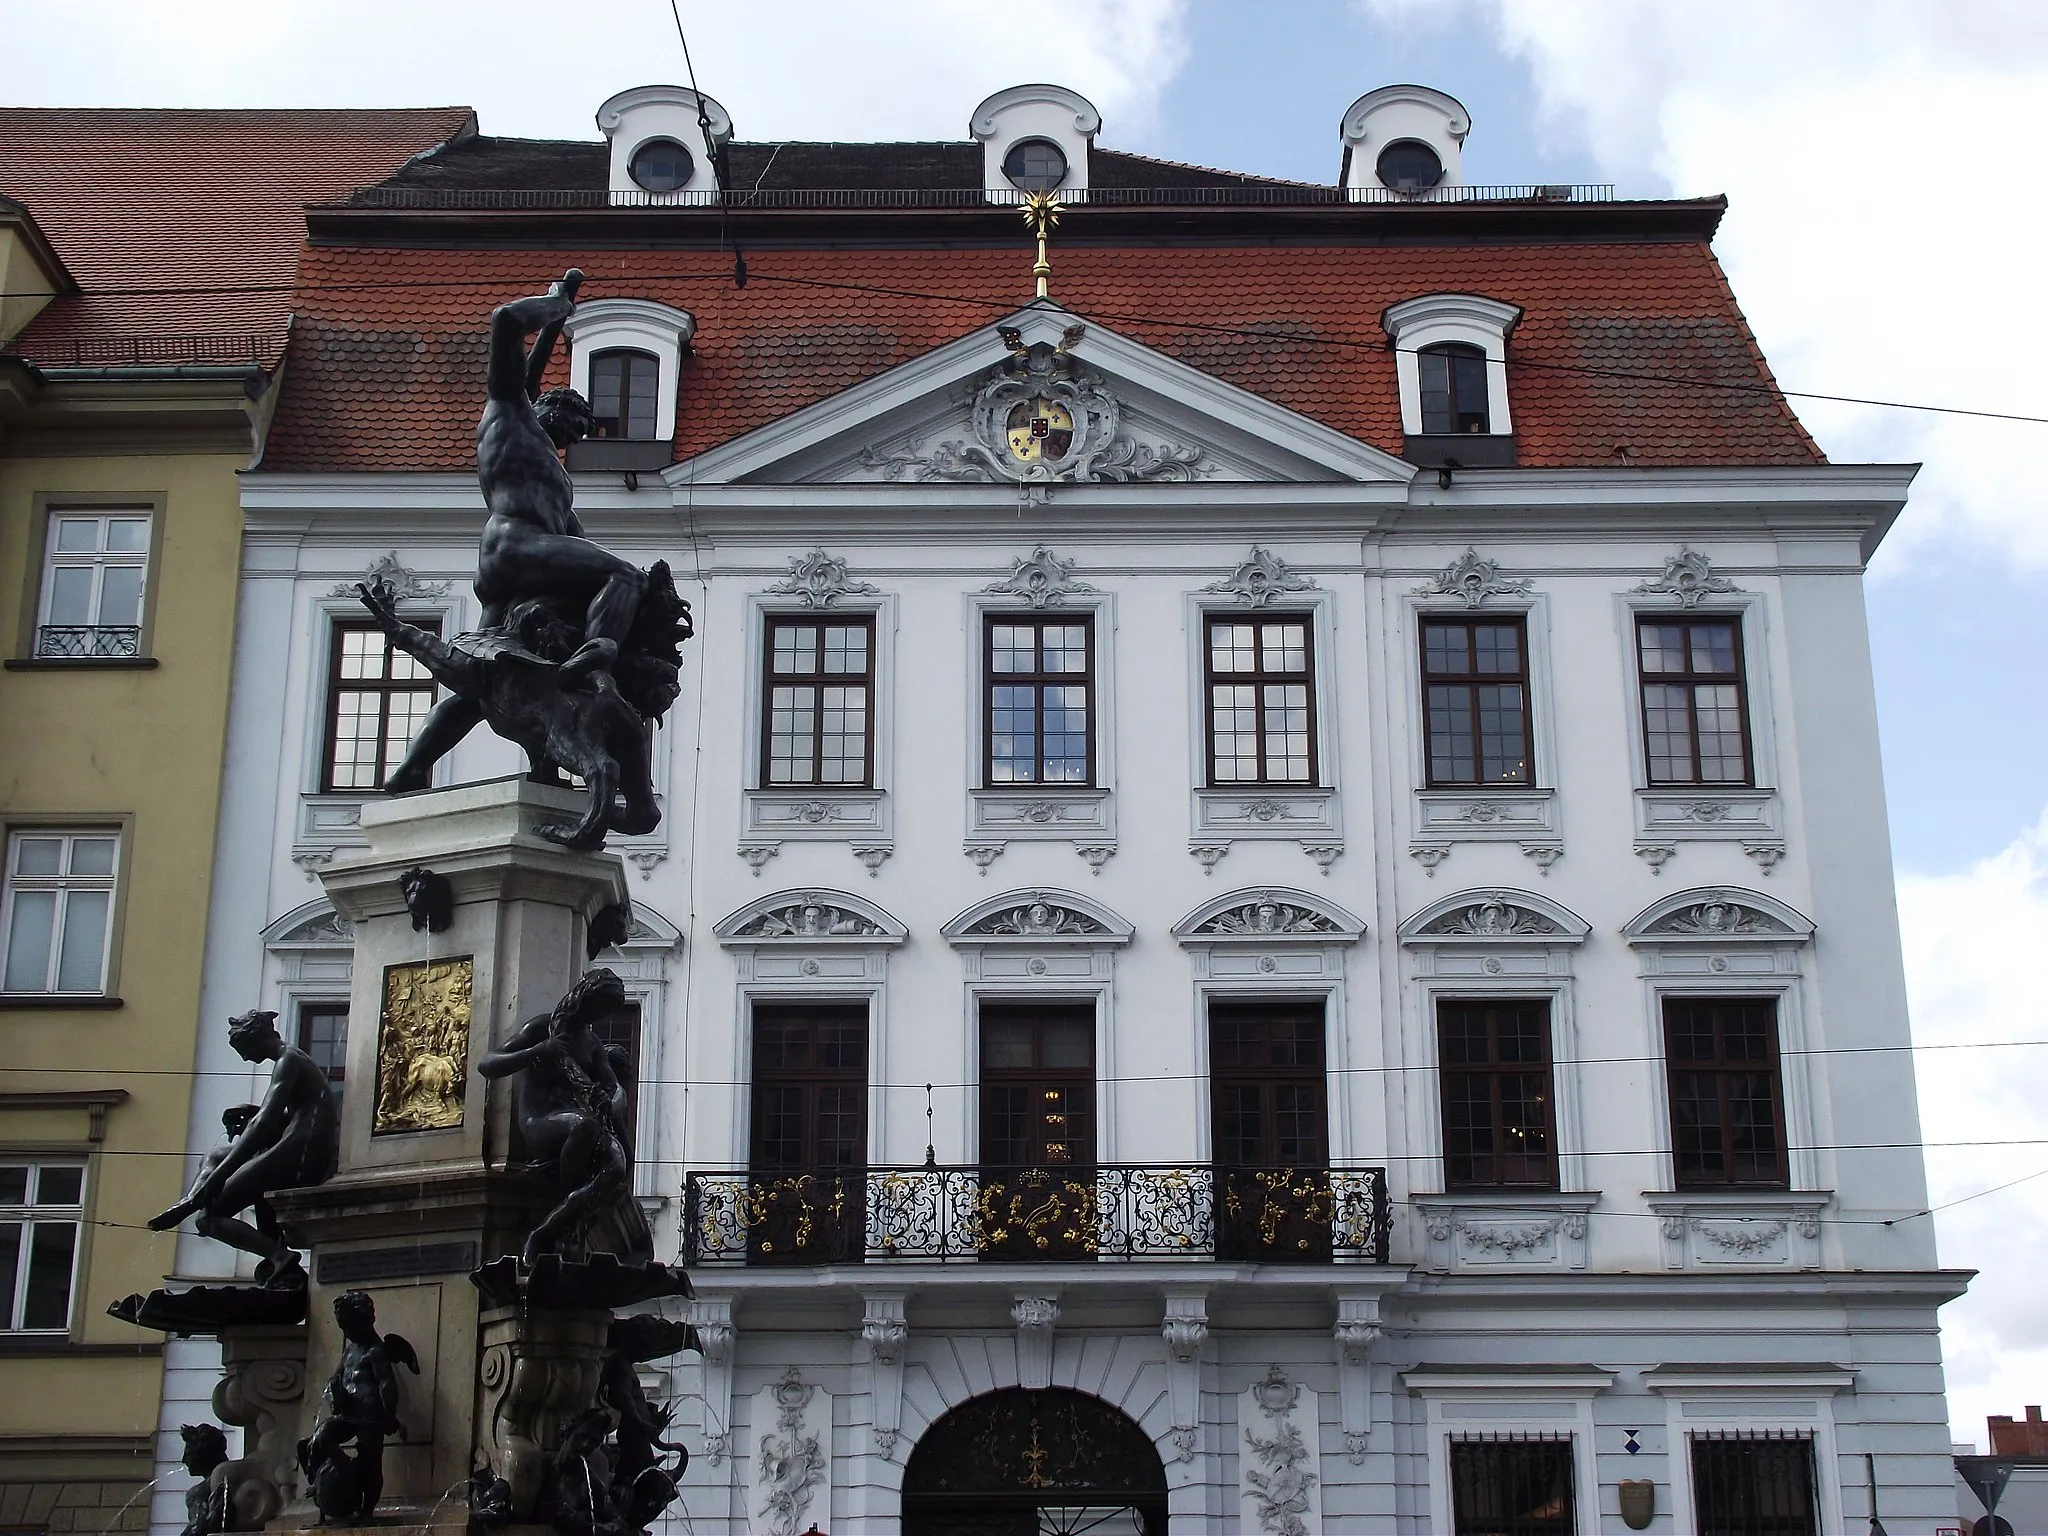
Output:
[[1695, 701], [323, 1035], [1727, 1092], [377, 699], [1494, 1068], [1037, 1129], [1260, 679], [1270, 1128], [1475, 684], [1452, 380], [808, 1149], [817, 702], [624, 392], [620, 1032], [1038, 686]]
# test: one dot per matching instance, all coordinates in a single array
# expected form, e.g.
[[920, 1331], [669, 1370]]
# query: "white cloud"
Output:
[[1879, 157], [1973, 943], [796, 69]]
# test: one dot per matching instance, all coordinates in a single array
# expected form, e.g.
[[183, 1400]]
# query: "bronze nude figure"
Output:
[[358, 1407]]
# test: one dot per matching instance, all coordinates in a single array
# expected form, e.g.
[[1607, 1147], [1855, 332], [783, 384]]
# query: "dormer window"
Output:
[[1035, 138], [1409, 167], [1035, 165], [1452, 378], [625, 388]]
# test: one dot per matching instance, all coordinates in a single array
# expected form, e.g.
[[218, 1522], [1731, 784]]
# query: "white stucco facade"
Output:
[[1617, 1310]]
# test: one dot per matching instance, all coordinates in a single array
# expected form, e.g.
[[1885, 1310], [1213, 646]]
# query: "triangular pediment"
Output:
[[1043, 397]]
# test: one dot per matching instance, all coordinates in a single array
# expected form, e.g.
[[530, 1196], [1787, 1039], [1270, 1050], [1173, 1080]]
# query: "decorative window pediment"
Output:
[[818, 580], [1718, 915], [1038, 917], [1262, 580], [1494, 917], [810, 918], [1266, 916], [312, 925]]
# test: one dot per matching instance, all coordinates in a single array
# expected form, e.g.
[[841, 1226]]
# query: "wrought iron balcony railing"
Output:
[[1011, 1215], [83, 642]]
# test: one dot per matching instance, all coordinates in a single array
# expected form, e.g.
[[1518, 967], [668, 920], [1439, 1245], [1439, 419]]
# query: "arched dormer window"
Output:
[[1452, 378], [625, 391]]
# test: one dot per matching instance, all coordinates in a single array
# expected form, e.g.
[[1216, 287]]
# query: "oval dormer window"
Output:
[[661, 165], [1035, 165], [1409, 167]]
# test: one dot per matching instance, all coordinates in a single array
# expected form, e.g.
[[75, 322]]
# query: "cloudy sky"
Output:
[[1883, 159]]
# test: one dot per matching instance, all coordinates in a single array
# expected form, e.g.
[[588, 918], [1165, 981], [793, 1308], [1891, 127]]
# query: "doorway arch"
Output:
[[1025, 1462]]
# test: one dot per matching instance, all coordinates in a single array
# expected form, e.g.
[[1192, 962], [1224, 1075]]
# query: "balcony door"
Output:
[[807, 1161], [1269, 1128], [1037, 1196]]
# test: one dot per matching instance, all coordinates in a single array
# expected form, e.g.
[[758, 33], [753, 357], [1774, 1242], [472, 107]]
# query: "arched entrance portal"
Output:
[[1034, 1463]]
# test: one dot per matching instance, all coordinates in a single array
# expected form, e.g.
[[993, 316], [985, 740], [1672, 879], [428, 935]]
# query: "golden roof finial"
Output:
[[1041, 212]]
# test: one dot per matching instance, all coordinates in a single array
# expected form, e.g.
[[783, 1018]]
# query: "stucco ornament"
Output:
[[1493, 918], [1472, 581], [1267, 916], [1042, 579], [1262, 580], [1279, 1482], [818, 580], [1688, 578], [792, 1457], [1040, 416], [1710, 918], [387, 570], [810, 917], [1038, 920]]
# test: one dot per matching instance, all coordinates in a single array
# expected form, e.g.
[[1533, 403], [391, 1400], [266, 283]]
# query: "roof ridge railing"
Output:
[[191, 351], [1249, 195]]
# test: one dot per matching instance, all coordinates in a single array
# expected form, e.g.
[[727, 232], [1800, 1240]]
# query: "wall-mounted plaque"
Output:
[[423, 1046]]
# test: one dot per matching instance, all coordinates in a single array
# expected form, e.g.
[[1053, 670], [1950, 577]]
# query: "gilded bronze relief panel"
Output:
[[423, 1046]]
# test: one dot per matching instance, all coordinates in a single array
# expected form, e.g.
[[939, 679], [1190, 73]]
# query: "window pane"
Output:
[[796, 650], [1497, 648], [1066, 648], [1468, 390], [128, 535], [846, 649], [1663, 647], [46, 1299], [1505, 757], [38, 855], [59, 1186], [14, 1184], [71, 594], [1444, 649], [1284, 647], [1668, 727], [1720, 722], [121, 595], [1006, 1044], [1230, 648], [1450, 735], [1013, 734], [30, 931], [1013, 648], [1434, 370], [92, 855], [77, 535], [1066, 735], [1069, 1043], [1713, 647], [79, 962], [10, 1266]]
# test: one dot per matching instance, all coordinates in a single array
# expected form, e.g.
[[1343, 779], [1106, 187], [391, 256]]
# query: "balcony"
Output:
[[966, 1215], [88, 642]]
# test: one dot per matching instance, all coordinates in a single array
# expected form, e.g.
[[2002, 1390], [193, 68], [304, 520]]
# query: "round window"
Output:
[[1035, 165], [1409, 167], [661, 165]]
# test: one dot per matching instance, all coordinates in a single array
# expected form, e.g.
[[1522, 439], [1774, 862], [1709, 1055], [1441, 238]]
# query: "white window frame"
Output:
[[636, 325], [62, 883], [1751, 1400], [1556, 1401], [99, 560], [1436, 318], [26, 1216]]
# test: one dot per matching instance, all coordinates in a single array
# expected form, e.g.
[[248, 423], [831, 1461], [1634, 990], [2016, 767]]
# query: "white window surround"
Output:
[[1309, 963], [1749, 1398], [1001, 813], [1436, 318], [1221, 814], [833, 813], [1679, 953], [1552, 1400], [1674, 813], [640, 325], [1480, 813], [1465, 945], [1040, 968]]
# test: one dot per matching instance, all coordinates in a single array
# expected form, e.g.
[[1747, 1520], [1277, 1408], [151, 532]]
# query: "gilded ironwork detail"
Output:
[[423, 1046]]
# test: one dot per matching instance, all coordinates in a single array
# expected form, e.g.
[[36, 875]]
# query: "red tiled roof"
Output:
[[169, 199], [1614, 340]]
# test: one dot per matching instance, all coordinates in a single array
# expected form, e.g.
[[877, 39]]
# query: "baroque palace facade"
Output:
[[1273, 909]]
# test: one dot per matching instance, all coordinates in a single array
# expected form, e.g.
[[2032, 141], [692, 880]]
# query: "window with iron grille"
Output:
[[817, 717], [1750, 1484], [377, 699], [1260, 678], [323, 1035], [56, 910], [1494, 1067], [93, 569], [624, 391], [42, 1207], [1453, 380], [1475, 682], [1038, 691], [1512, 1486], [1727, 1094], [1695, 701]]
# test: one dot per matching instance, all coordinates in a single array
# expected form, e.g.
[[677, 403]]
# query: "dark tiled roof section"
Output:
[[147, 199], [487, 164], [1615, 342]]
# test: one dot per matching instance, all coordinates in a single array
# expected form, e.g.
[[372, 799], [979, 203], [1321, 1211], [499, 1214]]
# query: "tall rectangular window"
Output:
[[1494, 1067], [1038, 683], [620, 1033], [1695, 702], [817, 717], [1270, 1129], [1261, 689], [1512, 1485], [1475, 683], [1037, 1197], [377, 699], [59, 904], [624, 394], [1754, 1485], [1727, 1096], [93, 569], [42, 1206], [807, 1156], [323, 1035]]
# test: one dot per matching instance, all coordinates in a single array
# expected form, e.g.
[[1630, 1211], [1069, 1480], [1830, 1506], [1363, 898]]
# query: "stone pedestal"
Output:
[[423, 1195], [540, 1369], [261, 1391]]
